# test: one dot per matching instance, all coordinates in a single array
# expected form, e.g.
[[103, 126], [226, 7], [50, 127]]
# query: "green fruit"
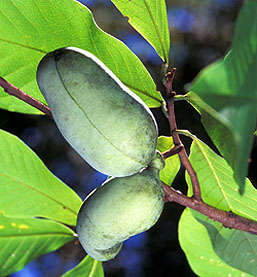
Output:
[[105, 122], [118, 209]]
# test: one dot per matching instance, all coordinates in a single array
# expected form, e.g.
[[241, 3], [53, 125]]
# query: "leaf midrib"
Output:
[[92, 271], [24, 46], [246, 237], [37, 235], [156, 30], [38, 191], [214, 174]]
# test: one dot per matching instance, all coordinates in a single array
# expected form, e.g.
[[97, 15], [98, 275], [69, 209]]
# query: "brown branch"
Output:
[[173, 151], [176, 140], [227, 218], [14, 91]]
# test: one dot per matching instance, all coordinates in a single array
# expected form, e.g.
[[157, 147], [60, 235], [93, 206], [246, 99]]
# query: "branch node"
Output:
[[173, 151], [176, 139]]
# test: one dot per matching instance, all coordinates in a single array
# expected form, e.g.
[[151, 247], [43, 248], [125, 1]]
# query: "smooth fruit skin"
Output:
[[105, 122], [118, 209]]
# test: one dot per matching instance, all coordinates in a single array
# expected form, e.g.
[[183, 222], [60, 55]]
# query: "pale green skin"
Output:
[[106, 123], [118, 209]]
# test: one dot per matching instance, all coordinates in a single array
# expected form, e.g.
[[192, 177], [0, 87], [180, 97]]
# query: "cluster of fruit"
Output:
[[116, 133]]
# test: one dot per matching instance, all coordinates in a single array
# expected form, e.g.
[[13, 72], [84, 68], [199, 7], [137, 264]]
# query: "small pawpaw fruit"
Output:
[[120, 208]]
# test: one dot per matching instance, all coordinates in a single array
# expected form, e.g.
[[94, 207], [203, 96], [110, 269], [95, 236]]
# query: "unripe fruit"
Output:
[[105, 122], [118, 209]]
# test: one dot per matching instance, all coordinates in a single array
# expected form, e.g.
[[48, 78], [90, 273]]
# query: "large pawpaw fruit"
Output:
[[105, 122]]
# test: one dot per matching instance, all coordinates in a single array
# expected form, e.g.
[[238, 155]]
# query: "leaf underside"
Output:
[[87, 267], [225, 93], [23, 240], [213, 250]]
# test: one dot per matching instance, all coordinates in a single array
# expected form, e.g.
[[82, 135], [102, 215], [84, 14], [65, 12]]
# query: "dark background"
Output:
[[201, 32]]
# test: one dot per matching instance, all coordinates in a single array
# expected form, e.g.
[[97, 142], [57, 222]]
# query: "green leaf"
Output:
[[31, 29], [217, 184], [149, 18], [213, 250], [29, 189], [88, 267], [172, 164], [225, 93], [23, 240]]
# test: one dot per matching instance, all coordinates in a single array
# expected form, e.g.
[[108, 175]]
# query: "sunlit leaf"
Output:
[[218, 186], [30, 29], [225, 93], [149, 18], [172, 164], [211, 249], [88, 267], [29, 189], [23, 240]]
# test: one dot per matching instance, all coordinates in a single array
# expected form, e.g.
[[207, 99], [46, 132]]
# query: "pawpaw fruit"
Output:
[[120, 208], [105, 122]]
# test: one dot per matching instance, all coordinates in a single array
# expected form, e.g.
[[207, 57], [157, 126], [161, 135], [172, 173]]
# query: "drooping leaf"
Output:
[[172, 164], [149, 18], [225, 93], [30, 29], [213, 250], [87, 267], [23, 240], [29, 189]]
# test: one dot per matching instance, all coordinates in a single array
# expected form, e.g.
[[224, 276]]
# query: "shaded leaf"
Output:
[[87, 267], [213, 250], [29, 189], [172, 164], [225, 93], [149, 18], [23, 240], [31, 29]]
